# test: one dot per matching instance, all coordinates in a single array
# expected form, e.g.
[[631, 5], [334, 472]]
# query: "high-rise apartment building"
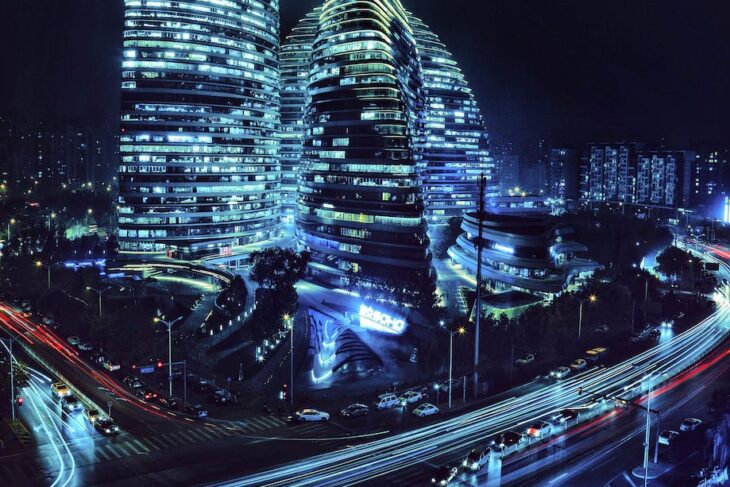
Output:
[[199, 170], [711, 178], [562, 174]]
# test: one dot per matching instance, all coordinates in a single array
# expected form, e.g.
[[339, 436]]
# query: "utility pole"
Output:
[[169, 325], [12, 382], [478, 303]]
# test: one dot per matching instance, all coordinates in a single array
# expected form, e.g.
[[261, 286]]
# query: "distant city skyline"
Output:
[[572, 72]]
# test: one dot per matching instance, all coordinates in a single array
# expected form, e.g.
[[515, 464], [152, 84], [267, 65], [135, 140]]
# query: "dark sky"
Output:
[[570, 70]]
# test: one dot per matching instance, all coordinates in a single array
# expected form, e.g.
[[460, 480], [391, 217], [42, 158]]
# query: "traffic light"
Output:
[[19, 400], [160, 364], [283, 393]]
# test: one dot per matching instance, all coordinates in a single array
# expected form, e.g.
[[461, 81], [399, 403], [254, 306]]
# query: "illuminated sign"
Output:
[[726, 212], [504, 248], [375, 320]]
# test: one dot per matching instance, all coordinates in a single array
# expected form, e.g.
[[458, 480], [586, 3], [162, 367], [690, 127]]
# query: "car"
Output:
[[409, 397], [220, 398], [70, 404], [196, 411], [60, 390], [98, 357], [111, 366], [145, 394], [578, 364], [690, 424], [453, 383], [168, 402], [307, 415], [386, 401], [444, 475], [477, 458], [654, 334], [355, 411], [667, 436], [133, 381], [106, 427], [602, 329], [425, 409], [85, 347], [525, 361], [565, 415], [414, 356], [560, 372], [73, 340], [92, 414], [541, 429], [510, 442]]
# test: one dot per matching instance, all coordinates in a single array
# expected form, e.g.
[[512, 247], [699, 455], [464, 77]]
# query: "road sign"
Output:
[[147, 369]]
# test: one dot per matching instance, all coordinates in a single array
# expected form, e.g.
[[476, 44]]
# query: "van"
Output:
[[386, 401], [594, 355]]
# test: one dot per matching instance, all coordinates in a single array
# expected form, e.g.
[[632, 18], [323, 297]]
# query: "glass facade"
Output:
[[360, 208], [455, 143], [199, 168], [295, 58]]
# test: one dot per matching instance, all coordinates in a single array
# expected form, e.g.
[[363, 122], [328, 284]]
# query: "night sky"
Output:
[[568, 70]]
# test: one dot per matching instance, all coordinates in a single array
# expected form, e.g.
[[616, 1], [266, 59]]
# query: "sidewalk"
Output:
[[13, 436]]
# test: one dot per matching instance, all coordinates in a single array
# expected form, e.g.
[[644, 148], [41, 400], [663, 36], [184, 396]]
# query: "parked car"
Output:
[[414, 356], [133, 382], [386, 401], [455, 383], [602, 328], [541, 429], [220, 397], [106, 427], [578, 364], [70, 404], [73, 340], [667, 436], [307, 415], [477, 458], [60, 390], [560, 372], [98, 357], [425, 409], [654, 334], [525, 361], [444, 475], [196, 411], [355, 411], [690, 424], [410, 397], [92, 414], [86, 347]]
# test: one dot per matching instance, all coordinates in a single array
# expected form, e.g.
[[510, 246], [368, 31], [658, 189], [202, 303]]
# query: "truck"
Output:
[[595, 355]]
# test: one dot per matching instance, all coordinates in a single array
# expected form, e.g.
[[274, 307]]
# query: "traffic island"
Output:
[[654, 471]]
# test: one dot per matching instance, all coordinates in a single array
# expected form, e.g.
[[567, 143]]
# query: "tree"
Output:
[[447, 236], [277, 268]]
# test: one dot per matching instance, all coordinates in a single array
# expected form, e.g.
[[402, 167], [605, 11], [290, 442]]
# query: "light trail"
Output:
[[370, 461]]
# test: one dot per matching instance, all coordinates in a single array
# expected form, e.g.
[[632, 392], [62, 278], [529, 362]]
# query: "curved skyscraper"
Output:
[[199, 171], [455, 143], [296, 56], [360, 206]]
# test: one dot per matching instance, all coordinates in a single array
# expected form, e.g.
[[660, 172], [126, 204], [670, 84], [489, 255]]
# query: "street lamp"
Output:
[[89, 212], [10, 222], [161, 319], [51, 216], [592, 299], [99, 292], [290, 324], [460, 331], [40, 264]]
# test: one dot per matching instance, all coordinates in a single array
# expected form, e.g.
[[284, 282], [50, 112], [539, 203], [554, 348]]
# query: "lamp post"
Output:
[[592, 298], [40, 264], [161, 319], [89, 212], [51, 216], [460, 331], [10, 222], [99, 293], [290, 324]]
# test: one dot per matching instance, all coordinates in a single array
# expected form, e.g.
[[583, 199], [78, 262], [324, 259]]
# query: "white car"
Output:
[[73, 340], [578, 364], [86, 347], [690, 424], [525, 361], [111, 366], [310, 415], [409, 397], [425, 409], [60, 390], [541, 429], [560, 373], [666, 437]]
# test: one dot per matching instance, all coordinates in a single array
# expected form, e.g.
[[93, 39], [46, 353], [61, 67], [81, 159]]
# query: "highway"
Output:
[[378, 460]]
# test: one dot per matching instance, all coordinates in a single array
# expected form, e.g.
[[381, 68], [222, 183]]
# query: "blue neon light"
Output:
[[375, 320]]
